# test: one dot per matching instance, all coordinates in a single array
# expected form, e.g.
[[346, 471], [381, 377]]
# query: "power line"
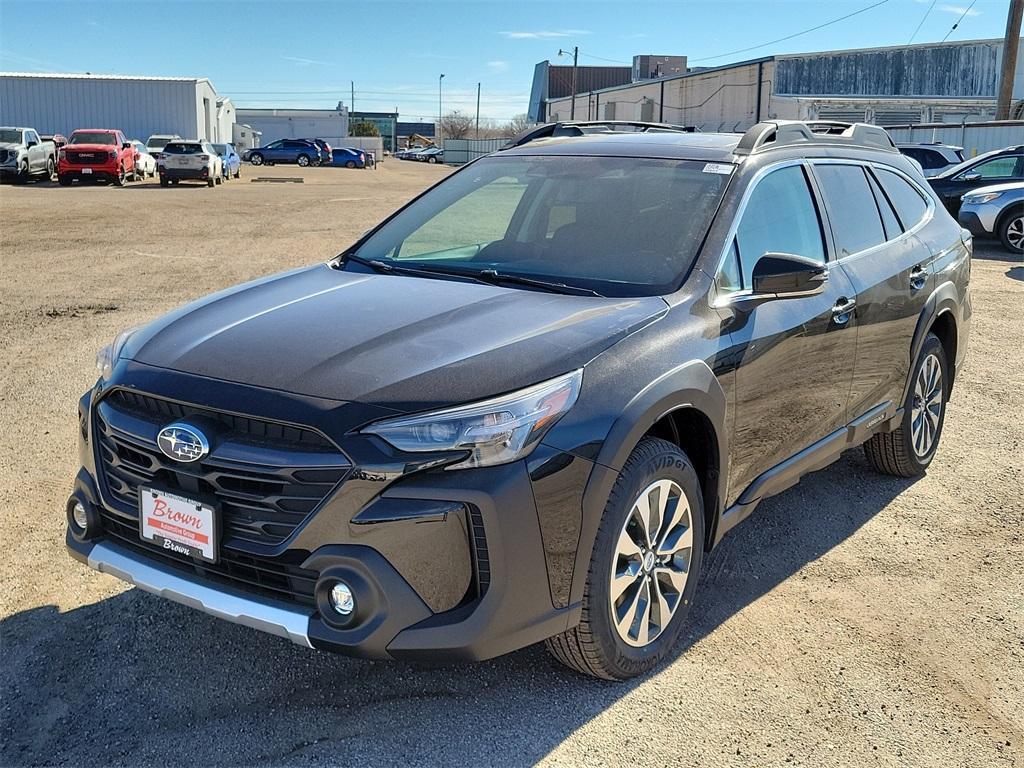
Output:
[[966, 11], [921, 22], [795, 34], [600, 58]]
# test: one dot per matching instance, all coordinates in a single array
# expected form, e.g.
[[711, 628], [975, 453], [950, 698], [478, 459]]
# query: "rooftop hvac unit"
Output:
[[842, 115]]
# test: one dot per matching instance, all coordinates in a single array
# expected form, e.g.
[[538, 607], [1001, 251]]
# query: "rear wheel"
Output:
[[164, 182], [211, 181], [1011, 231], [303, 161], [238, 173], [909, 449], [644, 568]]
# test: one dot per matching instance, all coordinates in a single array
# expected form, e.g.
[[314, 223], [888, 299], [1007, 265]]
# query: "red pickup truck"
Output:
[[94, 154]]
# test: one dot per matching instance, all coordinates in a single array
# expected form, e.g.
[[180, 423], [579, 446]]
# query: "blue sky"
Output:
[[304, 54]]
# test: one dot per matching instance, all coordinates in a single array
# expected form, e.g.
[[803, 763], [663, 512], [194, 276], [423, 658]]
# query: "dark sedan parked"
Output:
[[526, 405], [299, 151], [999, 167]]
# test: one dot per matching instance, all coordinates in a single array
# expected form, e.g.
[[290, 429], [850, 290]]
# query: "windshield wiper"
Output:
[[387, 267], [496, 277], [489, 276]]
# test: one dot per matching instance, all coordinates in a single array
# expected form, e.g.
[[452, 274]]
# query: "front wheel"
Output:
[[644, 568], [1011, 231], [23, 174], [119, 177], [303, 161], [65, 180], [256, 159], [50, 168], [909, 449]]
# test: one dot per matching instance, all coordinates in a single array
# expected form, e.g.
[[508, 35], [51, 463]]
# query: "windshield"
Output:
[[10, 135], [157, 142], [619, 226], [181, 148], [220, 149], [93, 137]]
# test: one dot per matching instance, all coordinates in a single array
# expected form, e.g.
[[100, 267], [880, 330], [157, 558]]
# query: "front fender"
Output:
[[691, 385]]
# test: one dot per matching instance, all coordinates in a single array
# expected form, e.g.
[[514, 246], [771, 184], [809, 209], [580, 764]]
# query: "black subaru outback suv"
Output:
[[526, 405]]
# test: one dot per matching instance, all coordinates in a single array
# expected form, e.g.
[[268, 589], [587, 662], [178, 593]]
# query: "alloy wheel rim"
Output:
[[1015, 233], [651, 564], [926, 412]]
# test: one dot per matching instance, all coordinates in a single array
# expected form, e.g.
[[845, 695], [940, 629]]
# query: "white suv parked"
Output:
[[196, 160]]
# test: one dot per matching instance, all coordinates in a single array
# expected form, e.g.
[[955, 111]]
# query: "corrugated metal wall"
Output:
[[137, 107], [461, 151], [965, 70], [293, 126], [975, 139]]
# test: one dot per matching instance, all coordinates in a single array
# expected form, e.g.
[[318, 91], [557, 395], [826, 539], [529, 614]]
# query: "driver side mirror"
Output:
[[786, 275], [30, 143], [126, 145], [971, 176]]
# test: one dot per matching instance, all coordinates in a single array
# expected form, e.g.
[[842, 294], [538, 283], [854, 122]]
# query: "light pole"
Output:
[[439, 113], [575, 59]]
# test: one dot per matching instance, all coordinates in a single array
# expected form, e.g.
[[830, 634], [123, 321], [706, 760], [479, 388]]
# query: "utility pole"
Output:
[[575, 61], [1011, 43], [352, 101], [478, 110], [439, 112]]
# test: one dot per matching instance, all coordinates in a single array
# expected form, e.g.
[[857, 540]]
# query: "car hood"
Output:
[[1009, 186], [10, 145], [405, 343]]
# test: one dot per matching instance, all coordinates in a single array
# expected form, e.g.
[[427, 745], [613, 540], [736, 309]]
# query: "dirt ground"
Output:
[[855, 620]]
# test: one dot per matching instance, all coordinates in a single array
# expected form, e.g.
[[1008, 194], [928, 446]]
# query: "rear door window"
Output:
[[852, 212], [909, 204], [780, 217]]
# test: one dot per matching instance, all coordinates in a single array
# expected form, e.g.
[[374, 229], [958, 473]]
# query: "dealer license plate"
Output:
[[177, 524], [87, 170]]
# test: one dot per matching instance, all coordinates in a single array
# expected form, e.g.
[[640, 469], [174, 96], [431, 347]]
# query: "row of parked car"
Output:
[[429, 154], [307, 152]]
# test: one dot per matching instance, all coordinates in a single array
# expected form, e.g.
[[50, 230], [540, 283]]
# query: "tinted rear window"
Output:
[[852, 212], [180, 148], [907, 201]]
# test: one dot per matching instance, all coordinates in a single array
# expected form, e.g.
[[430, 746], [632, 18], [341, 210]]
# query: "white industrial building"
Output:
[[139, 106], [274, 124], [949, 82]]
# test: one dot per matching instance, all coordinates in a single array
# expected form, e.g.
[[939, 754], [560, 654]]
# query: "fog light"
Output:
[[342, 599], [79, 516]]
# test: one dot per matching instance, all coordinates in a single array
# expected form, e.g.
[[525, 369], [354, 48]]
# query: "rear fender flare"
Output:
[[945, 298]]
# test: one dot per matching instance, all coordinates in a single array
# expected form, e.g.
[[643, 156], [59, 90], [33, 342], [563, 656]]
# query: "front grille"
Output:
[[85, 157], [266, 576], [265, 477]]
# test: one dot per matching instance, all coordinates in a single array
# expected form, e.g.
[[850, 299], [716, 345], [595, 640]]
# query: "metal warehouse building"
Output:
[[139, 106], [274, 124], [933, 82]]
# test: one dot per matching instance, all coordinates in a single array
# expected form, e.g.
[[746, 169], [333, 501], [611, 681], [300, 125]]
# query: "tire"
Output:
[[909, 449], [23, 174], [50, 169], [256, 159], [175, 181], [64, 181], [238, 173], [1011, 231], [302, 161], [431, 159], [211, 181], [120, 177], [350, 164], [164, 182], [600, 647]]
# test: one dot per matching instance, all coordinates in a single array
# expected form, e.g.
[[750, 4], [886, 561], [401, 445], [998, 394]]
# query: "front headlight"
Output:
[[978, 199], [495, 431], [107, 357]]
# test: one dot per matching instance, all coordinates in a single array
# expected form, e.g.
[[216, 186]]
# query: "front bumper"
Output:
[[972, 222], [91, 171], [444, 565]]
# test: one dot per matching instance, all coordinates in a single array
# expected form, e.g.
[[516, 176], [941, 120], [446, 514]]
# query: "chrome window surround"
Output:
[[725, 297]]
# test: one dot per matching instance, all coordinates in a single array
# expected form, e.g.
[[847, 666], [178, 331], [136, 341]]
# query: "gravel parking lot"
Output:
[[854, 620]]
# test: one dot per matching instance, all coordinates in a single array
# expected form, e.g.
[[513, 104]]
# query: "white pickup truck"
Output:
[[23, 154]]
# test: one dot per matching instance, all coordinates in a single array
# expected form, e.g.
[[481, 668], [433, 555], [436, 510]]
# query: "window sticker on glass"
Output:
[[723, 168]]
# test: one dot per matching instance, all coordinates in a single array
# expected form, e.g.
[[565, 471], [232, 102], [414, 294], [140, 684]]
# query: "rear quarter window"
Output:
[[910, 205]]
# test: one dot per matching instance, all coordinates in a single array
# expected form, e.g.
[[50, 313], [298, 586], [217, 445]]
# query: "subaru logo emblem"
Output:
[[182, 442]]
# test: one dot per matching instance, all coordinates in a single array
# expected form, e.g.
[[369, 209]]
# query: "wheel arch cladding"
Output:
[[685, 398], [944, 326]]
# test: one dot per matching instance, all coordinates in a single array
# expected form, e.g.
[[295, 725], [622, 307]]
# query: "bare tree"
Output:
[[518, 124], [456, 125]]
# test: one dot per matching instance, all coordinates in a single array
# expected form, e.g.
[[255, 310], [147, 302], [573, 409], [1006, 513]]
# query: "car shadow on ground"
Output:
[[1015, 273], [137, 680]]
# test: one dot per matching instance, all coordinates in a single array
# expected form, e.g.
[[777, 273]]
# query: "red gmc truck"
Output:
[[96, 154]]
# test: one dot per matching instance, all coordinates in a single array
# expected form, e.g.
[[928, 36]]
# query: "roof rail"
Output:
[[583, 127], [779, 133]]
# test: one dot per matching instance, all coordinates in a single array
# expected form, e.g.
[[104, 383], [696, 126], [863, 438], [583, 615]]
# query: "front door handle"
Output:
[[918, 278], [843, 311]]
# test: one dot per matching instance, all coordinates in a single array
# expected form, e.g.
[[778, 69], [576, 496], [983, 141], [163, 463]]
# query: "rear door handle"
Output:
[[843, 311], [918, 277]]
